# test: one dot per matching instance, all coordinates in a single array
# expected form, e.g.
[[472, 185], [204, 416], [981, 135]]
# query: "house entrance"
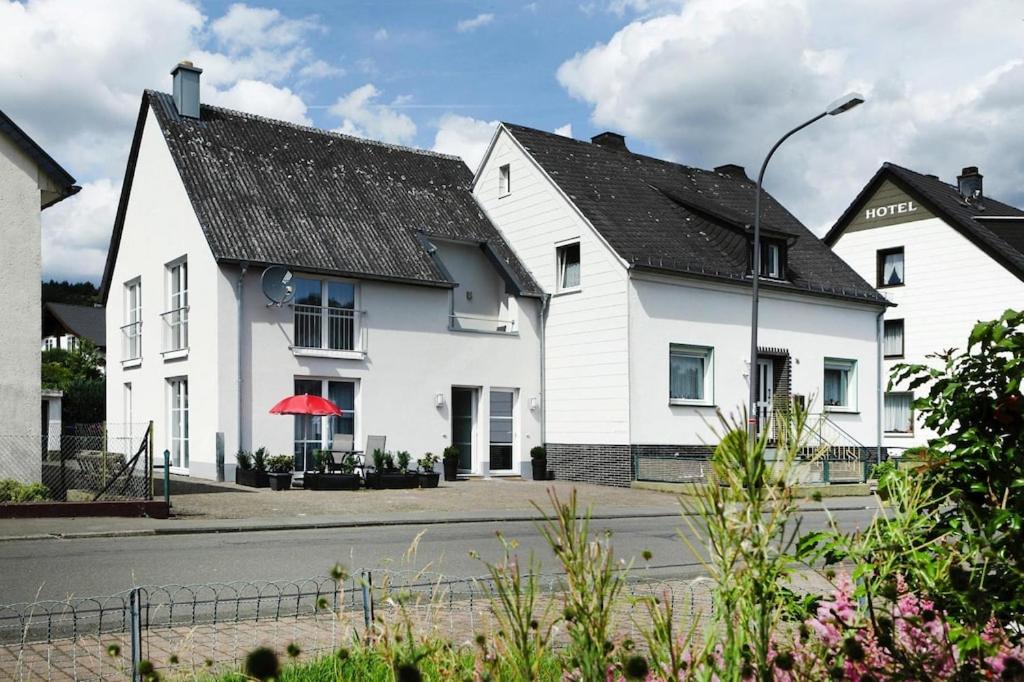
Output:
[[464, 410]]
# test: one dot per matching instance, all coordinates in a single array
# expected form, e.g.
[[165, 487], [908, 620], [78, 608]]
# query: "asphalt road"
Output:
[[56, 569]]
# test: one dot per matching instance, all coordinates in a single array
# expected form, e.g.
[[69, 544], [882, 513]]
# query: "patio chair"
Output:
[[342, 445]]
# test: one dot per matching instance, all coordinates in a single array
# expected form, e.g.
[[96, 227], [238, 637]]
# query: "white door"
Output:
[[765, 392]]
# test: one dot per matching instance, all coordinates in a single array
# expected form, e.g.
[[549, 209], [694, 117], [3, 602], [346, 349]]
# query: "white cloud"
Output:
[[264, 99], [380, 34], [76, 232], [464, 136], [245, 28], [362, 115], [467, 25], [564, 131], [719, 81]]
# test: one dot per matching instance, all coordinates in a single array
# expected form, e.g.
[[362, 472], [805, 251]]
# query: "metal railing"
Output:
[[328, 328], [479, 323], [175, 329], [131, 341]]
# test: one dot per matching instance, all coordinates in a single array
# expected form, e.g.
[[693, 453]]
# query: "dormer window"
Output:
[[773, 258]]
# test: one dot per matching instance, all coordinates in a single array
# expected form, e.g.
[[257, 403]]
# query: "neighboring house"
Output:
[[946, 254], [409, 311], [647, 331], [30, 180], [64, 324]]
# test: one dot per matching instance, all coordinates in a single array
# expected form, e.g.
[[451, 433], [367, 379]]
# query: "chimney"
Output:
[[610, 140], [186, 89], [732, 169], [969, 184]]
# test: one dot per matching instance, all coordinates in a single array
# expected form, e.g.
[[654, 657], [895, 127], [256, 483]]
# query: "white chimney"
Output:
[[186, 89]]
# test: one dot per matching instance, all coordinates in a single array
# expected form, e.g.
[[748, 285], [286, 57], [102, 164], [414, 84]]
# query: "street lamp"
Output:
[[843, 104]]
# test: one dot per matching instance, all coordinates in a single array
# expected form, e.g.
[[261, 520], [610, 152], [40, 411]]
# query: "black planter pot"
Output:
[[451, 470], [396, 480], [540, 468], [332, 481], [280, 481], [251, 478], [373, 480], [429, 480]]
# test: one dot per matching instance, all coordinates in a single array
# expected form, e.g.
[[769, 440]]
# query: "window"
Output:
[[690, 375], [315, 433], [840, 383], [568, 266], [178, 421], [890, 268], [504, 180], [325, 314], [892, 339], [176, 317], [131, 331], [501, 430], [773, 256], [49, 343], [898, 414]]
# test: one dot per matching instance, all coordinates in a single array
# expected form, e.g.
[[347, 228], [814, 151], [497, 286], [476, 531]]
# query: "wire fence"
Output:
[[186, 630], [83, 462]]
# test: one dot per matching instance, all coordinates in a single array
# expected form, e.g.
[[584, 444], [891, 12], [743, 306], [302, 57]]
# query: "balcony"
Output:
[[175, 333], [328, 332], [131, 343], [461, 322]]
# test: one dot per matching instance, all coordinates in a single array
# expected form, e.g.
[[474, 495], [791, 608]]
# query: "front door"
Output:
[[765, 392], [502, 403], [464, 424]]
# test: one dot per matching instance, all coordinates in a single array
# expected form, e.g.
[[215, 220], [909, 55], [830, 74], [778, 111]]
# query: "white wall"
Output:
[[587, 369], [950, 285], [666, 311]]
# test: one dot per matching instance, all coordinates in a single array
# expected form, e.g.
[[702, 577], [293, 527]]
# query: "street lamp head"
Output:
[[845, 103]]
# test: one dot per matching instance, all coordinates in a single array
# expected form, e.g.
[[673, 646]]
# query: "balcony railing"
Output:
[[477, 323], [328, 328], [131, 341], [175, 329]]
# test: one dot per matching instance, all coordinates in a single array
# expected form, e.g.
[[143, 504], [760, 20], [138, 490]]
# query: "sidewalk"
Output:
[[233, 509]]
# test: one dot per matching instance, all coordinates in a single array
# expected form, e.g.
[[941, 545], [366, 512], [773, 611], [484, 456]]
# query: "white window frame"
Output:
[[176, 316], [770, 271], [325, 435], [707, 355], [178, 420], [324, 349], [504, 180], [513, 420], [910, 420], [560, 266], [132, 329], [850, 367]]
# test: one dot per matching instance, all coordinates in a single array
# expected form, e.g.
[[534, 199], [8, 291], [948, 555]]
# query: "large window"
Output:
[[890, 268], [690, 375], [176, 317], [315, 433], [177, 422], [892, 342], [899, 415], [325, 314], [840, 384], [502, 402], [131, 331], [568, 256]]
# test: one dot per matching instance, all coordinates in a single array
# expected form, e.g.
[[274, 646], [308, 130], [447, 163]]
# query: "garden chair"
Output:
[[342, 445]]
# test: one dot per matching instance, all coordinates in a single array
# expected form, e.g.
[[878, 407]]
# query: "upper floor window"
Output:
[[176, 316], [892, 342], [504, 180], [325, 314], [840, 383], [690, 376], [890, 268], [131, 330], [773, 258], [568, 256]]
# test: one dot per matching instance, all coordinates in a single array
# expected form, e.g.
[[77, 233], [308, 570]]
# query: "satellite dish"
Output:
[[277, 285]]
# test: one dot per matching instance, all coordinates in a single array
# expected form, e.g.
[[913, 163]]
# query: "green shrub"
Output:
[[16, 491], [259, 459], [538, 452], [403, 458], [281, 464], [243, 460], [451, 453]]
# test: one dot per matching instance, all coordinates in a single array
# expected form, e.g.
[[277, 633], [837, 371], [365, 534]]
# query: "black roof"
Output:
[[272, 192], [665, 217], [994, 227], [56, 173], [85, 321]]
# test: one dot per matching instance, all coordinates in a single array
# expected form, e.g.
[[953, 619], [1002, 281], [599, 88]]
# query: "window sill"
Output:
[[134, 362], [897, 434], [505, 194], [179, 354], [893, 357], [328, 353], [482, 331], [681, 402], [841, 410], [891, 286], [566, 292]]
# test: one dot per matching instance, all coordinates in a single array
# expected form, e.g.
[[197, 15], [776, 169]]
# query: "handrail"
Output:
[[175, 310]]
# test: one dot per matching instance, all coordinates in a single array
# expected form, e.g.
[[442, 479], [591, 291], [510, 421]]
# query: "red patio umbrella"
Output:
[[305, 404]]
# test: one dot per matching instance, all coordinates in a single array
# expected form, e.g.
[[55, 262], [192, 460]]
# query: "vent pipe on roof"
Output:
[[610, 140], [186, 89], [969, 184]]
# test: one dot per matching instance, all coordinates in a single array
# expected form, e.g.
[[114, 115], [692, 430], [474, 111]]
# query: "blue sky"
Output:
[[702, 82]]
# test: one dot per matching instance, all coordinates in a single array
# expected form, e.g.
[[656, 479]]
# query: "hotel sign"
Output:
[[889, 205], [890, 210]]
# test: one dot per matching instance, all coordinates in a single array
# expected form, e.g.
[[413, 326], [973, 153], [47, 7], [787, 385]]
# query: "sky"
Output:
[[700, 82]]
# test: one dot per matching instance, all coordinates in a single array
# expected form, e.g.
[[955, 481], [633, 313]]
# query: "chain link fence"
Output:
[[84, 462], [186, 630]]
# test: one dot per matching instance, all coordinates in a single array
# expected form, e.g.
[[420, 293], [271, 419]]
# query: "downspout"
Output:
[[241, 300], [880, 340], [543, 351]]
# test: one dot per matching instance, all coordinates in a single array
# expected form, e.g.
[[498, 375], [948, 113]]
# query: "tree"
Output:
[[78, 293], [77, 373]]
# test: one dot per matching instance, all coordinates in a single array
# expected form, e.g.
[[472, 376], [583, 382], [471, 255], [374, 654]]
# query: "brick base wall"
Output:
[[591, 463]]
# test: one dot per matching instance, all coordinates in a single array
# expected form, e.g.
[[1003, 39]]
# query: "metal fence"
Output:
[[83, 462], [184, 630]]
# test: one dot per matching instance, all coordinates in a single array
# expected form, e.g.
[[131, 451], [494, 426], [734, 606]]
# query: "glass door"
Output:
[[765, 392], [502, 403], [463, 422], [308, 434]]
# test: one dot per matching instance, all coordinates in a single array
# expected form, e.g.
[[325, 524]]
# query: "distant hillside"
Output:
[[78, 293]]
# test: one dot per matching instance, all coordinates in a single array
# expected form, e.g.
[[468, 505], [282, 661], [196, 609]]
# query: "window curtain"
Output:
[[836, 382], [686, 377], [897, 413], [893, 340], [892, 270]]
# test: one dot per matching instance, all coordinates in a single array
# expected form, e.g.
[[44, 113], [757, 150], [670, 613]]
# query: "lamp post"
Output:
[[843, 104]]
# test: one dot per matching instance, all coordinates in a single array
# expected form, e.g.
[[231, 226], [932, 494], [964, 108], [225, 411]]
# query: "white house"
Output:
[[946, 254], [65, 323], [30, 180], [647, 330], [410, 311]]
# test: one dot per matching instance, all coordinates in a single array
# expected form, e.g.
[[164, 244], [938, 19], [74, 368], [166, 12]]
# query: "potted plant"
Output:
[[539, 462], [428, 478], [343, 477], [451, 463], [373, 479], [259, 464], [279, 471], [409, 479], [251, 469]]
